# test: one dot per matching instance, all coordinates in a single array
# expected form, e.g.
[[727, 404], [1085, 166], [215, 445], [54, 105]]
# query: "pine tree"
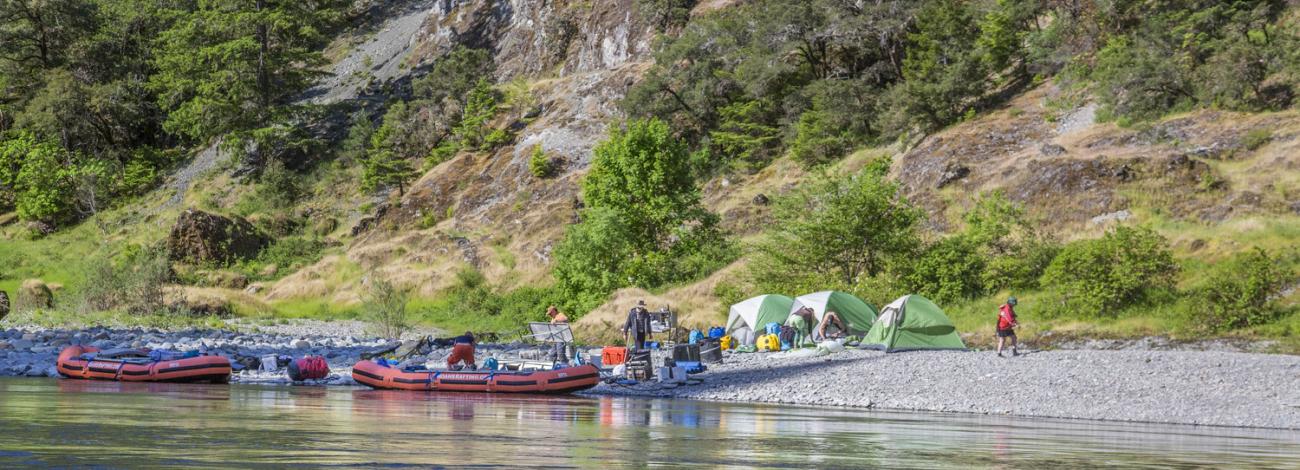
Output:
[[232, 65], [382, 166]]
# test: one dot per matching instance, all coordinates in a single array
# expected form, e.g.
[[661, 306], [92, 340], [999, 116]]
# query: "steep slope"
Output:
[[486, 210], [1194, 177]]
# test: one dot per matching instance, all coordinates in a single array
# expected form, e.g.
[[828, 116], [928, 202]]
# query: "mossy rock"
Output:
[[226, 279], [325, 226], [4, 304], [34, 294]]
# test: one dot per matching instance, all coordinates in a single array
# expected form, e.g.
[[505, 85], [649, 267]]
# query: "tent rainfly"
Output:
[[912, 323], [755, 312], [856, 314]]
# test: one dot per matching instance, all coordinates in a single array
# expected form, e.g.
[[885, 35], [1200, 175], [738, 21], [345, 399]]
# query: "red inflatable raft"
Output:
[[568, 380], [85, 362]]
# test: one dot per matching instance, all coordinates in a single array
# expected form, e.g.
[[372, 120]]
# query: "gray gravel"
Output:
[[1184, 387]]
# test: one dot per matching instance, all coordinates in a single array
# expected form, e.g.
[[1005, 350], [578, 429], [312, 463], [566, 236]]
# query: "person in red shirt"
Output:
[[1007, 326]]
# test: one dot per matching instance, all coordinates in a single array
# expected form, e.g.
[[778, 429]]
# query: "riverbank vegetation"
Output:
[[95, 112]]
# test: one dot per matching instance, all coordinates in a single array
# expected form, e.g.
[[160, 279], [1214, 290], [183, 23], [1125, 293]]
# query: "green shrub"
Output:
[[836, 230], [540, 164], [1241, 292], [949, 270], [445, 149], [1256, 138], [1020, 269], [728, 293], [280, 187], [480, 107], [1118, 270], [41, 177], [496, 138], [644, 224], [454, 75], [132, 283], [385, 308], [744, 135], [471, 303], [288, 254], [138, 177]]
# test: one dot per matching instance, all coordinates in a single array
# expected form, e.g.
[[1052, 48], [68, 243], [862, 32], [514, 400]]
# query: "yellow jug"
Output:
[[725, 342]]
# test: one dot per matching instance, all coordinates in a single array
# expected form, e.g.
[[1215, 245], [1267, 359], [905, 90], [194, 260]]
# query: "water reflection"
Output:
[[62, 423]]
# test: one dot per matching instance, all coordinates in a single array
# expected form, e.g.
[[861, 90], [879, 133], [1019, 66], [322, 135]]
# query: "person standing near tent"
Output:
[[803, 321], [637, 325], [1007, 326], [559, 351]]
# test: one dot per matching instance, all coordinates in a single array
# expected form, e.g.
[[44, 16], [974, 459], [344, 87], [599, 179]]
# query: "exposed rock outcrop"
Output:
[[201, 237]]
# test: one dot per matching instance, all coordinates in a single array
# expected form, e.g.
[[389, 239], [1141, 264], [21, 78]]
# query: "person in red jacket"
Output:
[[462, 352], [1007, 326]]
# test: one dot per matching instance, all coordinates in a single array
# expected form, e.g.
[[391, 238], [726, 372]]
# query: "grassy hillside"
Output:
[[453, 165]]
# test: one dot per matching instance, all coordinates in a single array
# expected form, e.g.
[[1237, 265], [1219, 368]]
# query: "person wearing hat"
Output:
[[637, 325], [1007, 326]]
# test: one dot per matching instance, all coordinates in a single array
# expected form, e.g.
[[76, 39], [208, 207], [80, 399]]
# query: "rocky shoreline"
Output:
[[1158, 386], [1150, 386], [31, 351]]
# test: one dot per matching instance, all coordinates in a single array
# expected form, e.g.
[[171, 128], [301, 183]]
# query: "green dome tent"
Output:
[[854, 312], [912, 323], [755, 312]]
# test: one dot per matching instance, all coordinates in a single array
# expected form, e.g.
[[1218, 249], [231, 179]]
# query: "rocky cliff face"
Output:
[[487, 210]]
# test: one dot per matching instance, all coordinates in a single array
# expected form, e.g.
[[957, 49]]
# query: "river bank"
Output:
[[1176, 387], [1220, 388]]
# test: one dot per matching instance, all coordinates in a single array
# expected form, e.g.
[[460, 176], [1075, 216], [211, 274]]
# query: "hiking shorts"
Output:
[[461, 352], [1005, 333]]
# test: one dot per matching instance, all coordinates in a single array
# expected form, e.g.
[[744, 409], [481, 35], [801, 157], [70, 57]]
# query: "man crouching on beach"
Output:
[[1007, 326]]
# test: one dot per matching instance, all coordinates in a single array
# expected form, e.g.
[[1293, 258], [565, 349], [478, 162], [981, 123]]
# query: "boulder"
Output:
[[34, 294], [39, 229], [1051, 150], [4, 304], [225, 279], [325, 226], [200, 237], [951, 174], [196, 302], [761, 199]]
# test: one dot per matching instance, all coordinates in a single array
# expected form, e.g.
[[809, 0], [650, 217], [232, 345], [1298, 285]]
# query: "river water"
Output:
[[61, 423]]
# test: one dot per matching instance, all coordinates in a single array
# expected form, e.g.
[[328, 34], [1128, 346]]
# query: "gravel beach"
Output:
[[1160, 386], [1183, 387]]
